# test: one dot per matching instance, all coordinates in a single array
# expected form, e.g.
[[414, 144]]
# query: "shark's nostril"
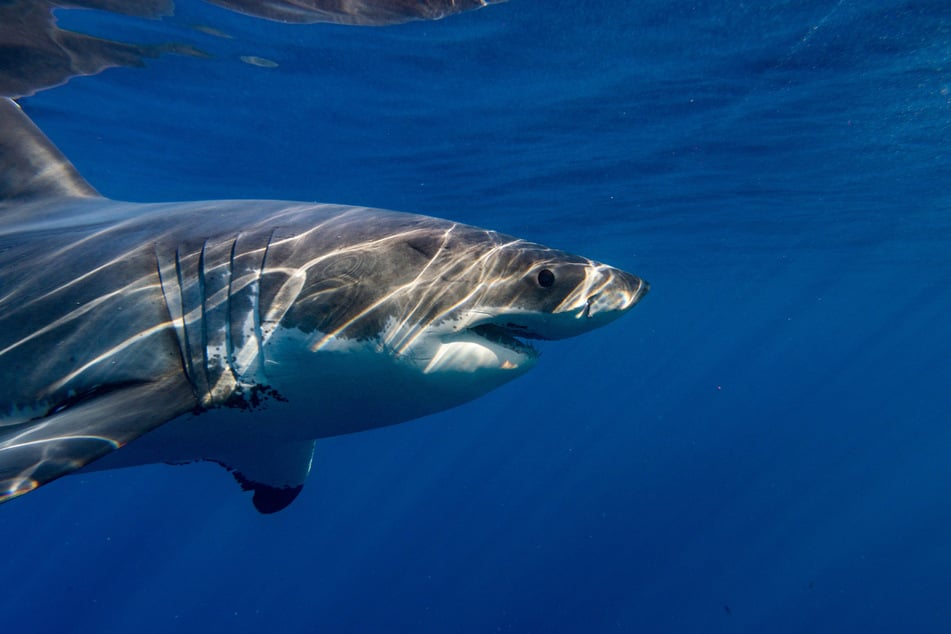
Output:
[[589, 303]]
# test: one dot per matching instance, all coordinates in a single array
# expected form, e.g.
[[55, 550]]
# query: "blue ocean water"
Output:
[[760, 446]]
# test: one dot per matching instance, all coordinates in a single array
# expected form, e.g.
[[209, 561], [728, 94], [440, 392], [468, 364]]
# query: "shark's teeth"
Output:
[[505, 336]]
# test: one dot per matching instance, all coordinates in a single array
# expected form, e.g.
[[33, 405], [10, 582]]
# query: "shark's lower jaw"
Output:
[[481, 349]]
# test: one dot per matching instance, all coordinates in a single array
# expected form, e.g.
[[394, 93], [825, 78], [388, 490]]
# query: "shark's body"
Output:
[[242, 331]]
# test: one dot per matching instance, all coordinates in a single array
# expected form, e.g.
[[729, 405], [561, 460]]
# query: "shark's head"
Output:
[[429, 312], [511, 292]]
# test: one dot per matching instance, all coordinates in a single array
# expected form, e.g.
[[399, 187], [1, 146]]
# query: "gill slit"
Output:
[[258, 334], [186, 352], [204, 320], [229, 344], [168, 307]]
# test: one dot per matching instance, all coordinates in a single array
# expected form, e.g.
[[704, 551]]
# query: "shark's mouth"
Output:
[[484, 347], [509, 335]]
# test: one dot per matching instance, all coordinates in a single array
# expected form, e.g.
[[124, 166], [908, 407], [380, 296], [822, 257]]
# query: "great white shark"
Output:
[[241, 331]]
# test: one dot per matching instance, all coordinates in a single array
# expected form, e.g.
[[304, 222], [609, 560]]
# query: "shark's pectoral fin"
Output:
[[274, 472], [86, 428], [267, 498]]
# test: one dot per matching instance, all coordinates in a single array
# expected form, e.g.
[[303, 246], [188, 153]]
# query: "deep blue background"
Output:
[[761, 445]]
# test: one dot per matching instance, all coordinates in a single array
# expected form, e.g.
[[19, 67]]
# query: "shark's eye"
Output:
[[546, 278]]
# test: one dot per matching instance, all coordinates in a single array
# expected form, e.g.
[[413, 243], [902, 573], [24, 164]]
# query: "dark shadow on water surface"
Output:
[[36, 54]]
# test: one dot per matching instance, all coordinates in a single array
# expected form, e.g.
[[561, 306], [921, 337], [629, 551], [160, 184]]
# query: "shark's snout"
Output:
[[618, 292]]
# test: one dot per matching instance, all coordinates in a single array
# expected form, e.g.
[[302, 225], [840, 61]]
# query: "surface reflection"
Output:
[[36, 54]]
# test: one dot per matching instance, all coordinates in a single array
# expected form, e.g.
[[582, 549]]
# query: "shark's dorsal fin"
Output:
[[30, 165]]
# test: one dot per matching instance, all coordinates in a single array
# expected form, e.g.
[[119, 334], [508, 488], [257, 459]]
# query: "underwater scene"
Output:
[[758, 444]]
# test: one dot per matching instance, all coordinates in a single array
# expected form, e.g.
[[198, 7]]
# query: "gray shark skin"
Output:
[[241, 331]]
